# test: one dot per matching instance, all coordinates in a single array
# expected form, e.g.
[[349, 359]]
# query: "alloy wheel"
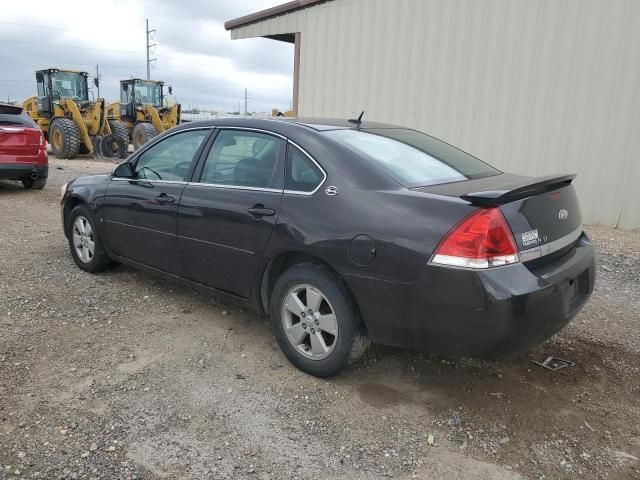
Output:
[[309, 322], [83, 239]]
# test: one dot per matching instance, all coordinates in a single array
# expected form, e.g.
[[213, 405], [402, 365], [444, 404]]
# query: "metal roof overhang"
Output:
[[271, 13]]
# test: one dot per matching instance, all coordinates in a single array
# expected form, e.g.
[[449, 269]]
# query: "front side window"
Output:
[[171, 158], [125, 92], [245, 159], [302, 175], [412, 158], [69, 85]]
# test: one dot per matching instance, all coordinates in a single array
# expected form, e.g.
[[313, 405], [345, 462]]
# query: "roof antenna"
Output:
[[358, 120]]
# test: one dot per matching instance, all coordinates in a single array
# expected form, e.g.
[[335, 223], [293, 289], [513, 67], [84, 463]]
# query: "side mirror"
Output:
[[125, 87], [96, 81], [170, 90], [39, 77], [124, 170]]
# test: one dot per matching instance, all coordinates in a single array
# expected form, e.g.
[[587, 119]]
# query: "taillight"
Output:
[[43, 142], [481, 240]]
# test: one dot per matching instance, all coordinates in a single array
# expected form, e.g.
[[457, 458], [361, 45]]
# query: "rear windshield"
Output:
[[20, 119], [414, 159]]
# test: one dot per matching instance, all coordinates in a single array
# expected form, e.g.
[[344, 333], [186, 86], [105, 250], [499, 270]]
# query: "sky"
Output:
[[194, 53]]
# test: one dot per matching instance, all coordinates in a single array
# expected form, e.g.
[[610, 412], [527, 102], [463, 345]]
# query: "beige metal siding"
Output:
[[532, 86]]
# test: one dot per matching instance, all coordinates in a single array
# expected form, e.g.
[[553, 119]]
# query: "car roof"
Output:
[[321, 124], [291, 123]]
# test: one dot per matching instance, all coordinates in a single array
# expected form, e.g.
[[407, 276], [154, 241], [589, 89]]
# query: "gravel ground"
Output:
[[124, 375]]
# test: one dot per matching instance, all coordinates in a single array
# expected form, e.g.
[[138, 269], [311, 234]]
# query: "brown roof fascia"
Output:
[[271, 12]]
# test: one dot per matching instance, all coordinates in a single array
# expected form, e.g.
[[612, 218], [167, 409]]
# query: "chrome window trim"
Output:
[[324, 174], [547, 248], [175, 182], [234, 187], [137, 154]]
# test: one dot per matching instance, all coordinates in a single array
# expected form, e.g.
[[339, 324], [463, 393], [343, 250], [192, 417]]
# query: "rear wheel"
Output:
[[142, 133], [31, 184], [315, 320], [84, 241], [64, 137]]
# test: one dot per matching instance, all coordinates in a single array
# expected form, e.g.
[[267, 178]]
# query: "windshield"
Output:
[[69, 85], [148, 92], [412, 158]]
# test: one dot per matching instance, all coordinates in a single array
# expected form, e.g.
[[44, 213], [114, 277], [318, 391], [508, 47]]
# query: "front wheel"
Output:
[[64, 137], [315, 320], [85, 243]]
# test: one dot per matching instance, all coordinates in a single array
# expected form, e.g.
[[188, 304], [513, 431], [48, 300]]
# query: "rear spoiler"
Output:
[[10, 109], [526, 187]]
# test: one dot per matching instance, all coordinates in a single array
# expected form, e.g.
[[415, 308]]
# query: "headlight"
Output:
[[63, 190]]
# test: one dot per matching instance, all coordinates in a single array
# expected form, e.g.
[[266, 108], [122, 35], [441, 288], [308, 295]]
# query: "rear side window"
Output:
[[302, 175], [242, 158], [20, 120], [412, 158]]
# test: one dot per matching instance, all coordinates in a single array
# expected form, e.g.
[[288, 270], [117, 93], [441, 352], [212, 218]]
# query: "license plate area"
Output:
[[575, 291]]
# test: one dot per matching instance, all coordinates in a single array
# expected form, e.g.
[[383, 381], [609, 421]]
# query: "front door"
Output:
[[226, 217], [140, 212]]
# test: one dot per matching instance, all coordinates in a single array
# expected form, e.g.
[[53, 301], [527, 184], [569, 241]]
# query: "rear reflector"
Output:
[[481, 240]]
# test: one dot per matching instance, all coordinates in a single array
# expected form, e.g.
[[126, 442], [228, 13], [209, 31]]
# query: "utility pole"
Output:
[[245, 102], [98, 80], [149, 47]]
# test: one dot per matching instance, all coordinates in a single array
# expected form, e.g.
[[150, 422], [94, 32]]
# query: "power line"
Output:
[[35, 26], [65, 62], [129, 52], [16, 81]]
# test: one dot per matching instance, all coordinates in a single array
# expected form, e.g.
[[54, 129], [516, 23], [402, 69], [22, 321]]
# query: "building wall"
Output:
[[531, 86]]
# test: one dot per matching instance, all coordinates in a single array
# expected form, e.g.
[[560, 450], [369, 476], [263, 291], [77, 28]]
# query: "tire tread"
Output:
[[70, 137]]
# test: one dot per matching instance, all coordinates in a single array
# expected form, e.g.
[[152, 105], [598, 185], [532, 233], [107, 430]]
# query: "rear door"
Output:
[[140, 213], [227, 215]]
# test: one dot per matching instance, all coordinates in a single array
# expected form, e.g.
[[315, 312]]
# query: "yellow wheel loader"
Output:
[[142, 112], [71, 122]]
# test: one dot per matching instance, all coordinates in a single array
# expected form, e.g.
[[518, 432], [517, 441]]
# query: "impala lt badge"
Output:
[[563, 214]]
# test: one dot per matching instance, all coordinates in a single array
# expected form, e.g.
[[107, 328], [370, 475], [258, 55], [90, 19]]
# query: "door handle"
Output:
[[260, 211], [164, 198]]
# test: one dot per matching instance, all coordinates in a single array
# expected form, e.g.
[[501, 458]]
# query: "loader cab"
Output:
[[136, 92], [54, 85]]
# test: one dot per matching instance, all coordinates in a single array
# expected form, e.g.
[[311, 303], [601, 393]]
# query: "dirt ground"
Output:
[[124, 375]]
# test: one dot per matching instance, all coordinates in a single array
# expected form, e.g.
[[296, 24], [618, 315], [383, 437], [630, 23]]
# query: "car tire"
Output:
[[37, 184], [85, 242], [142, 133], [64, 137], [307, 338]]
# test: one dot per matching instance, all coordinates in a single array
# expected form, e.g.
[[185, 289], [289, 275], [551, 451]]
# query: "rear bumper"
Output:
[[488, 313], [18, 171]]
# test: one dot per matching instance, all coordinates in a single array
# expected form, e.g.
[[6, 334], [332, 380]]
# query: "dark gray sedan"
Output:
[[343, 233]]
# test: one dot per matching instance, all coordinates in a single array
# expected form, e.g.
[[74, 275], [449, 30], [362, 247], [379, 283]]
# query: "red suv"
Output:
[[23, 148]]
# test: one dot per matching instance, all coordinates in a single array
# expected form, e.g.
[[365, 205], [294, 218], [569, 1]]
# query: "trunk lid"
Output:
[[543, 212], [19, 140]]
